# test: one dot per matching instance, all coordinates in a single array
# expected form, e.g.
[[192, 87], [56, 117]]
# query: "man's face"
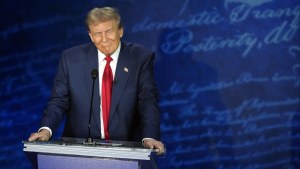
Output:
[[106, 36]]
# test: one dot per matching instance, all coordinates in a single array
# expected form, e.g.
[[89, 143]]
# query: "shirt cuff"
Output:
[[46, 128], [146, 139]]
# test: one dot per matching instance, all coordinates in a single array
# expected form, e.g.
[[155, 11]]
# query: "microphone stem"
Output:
[[91, 108], [89, 140]]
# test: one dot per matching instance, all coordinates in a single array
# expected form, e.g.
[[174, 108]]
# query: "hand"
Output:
[[154, 144], [43, 135]]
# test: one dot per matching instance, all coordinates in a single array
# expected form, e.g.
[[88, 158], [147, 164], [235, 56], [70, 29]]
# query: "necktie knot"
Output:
[[108, 59]]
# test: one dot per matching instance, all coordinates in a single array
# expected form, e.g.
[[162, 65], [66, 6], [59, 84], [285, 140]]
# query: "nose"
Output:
[[104, 38]]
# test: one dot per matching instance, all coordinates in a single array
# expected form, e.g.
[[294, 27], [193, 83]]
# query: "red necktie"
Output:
[[107, 80]]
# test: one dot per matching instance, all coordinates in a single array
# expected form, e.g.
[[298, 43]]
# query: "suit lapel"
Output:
[[121, 76], [91, 64]]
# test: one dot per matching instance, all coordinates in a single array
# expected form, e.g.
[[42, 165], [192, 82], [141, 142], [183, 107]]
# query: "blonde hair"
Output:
[[99, 15]]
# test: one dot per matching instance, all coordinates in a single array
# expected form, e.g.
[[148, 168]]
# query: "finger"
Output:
[[148, 144], [33, 137], [160, 148], [43, 137], [158, 144]]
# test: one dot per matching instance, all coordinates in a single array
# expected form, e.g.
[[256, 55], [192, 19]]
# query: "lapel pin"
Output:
[[126, 69]]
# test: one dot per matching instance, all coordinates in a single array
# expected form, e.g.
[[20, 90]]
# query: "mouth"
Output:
[[105, 44]]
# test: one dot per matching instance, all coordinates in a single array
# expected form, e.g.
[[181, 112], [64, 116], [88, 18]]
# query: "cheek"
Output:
[[96, 40], [113, 36]]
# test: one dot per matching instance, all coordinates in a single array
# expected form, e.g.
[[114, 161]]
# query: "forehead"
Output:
[[103, 26]]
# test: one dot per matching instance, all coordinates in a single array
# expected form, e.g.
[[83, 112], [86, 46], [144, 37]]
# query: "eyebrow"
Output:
[[111, 29], [108, 30]]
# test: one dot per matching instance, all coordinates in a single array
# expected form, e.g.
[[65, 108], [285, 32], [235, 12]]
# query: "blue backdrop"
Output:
[[228, 72]]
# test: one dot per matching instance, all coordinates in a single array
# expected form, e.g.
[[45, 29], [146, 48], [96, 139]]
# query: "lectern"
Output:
[[71, 153]]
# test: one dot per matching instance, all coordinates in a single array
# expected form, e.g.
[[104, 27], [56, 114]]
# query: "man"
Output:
[[125, 110]]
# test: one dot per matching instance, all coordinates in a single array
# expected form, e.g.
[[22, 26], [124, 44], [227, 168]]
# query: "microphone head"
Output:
[[94, 73]]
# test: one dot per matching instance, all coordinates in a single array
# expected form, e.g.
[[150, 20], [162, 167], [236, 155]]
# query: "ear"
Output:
[[121, 32], [91, 37]]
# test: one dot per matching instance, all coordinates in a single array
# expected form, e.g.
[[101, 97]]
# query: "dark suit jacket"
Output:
[[134, 110]]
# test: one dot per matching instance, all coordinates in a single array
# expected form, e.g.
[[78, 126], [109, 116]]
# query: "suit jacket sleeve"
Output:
[[59, 101], [148, 100]]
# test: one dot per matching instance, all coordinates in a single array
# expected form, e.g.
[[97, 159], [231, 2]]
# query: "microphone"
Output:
[[89, 140]]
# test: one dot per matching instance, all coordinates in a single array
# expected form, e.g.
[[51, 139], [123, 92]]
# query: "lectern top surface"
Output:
[[81, 142], [95, 148]]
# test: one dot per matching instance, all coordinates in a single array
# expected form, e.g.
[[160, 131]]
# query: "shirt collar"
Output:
[[114, 56]]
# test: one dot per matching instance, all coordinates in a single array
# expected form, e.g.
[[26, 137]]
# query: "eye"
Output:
[[109, 32], [97, 34]]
